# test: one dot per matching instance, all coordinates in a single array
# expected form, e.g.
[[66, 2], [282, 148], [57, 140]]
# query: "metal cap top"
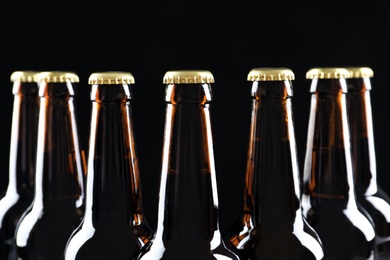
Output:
[[270, 74], [57, 76], [360, 72], [188, 77], [111, 78], [327, 73], [24, 76]]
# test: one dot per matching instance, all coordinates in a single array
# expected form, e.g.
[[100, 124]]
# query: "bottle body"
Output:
[[328, 200], [58, 204], [272, 225], [20, 190], [113, 226], [188, 214], [369, 194]]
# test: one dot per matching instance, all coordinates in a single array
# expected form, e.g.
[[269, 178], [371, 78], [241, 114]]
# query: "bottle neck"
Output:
[[59, 165], [23, 138], [272, 166], [328, 167], [362, 137], [188, 204], [113, 177]]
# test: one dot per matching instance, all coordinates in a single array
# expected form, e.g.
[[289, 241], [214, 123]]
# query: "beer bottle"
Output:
[[188, 210], [272, 225], [58, 205], [113, 225], [24, 128], [328, 200], [368, 192]]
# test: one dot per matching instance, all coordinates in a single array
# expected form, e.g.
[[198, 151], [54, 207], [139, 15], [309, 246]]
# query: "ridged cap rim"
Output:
[[360, 72], [57, 76], [111, 78], [270, 74], [327, 73], [24, 76], [188, 77]]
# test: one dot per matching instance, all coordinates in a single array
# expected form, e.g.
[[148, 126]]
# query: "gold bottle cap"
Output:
[[270, 74], [57, 76], [24, 76], [188, 77], [327, 73], [111, 78], [360, 72]]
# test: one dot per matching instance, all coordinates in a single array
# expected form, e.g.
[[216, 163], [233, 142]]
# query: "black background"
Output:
[[228, 38]]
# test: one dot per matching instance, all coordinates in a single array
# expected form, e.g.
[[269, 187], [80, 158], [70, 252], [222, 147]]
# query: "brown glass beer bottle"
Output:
[[113, 226], [272, 225], [188, 211], [24, 128], [58, 205], [328, 200], [368, 192]]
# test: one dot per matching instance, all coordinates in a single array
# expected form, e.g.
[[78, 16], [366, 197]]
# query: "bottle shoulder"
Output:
[[86, 242], [332, 217], [55, 215], [12, 208], [190, 249], [253, 238]]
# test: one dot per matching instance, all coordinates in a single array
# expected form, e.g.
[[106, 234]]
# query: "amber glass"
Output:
[[24, 128], [58, 206], [272, 225], [113, 226], [328, 200], [188, 211], [369, 194]]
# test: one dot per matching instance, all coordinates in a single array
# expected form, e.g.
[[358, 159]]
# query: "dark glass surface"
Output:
[[369, 194], [20, 191], [114, 226], [49, 230], [188, 214], [272, 225], [329, 200], [58, 206]]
